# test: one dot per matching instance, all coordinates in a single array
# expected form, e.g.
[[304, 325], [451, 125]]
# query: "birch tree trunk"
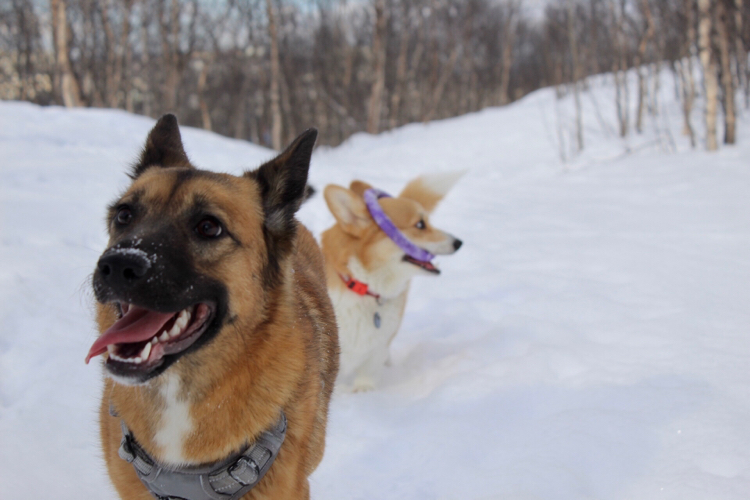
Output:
[[619, 68], [509, 35], [727, 79], [170, 30], [639, 60], [205, 64], [400, 74], [127, 58], [146, 66], [412, 87], [275, 71], [346, 83], [65, 81], [437, 93], [113, 68], [740, 51], [686, 73], [572, 38], [378, 54], [709, 72]]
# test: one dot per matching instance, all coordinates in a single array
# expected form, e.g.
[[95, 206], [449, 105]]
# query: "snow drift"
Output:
[[589, 341]]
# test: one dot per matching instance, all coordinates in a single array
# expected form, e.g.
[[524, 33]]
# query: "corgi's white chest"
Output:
[[366, 328]]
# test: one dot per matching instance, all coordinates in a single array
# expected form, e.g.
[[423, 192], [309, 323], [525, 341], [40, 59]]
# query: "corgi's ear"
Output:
[[163, 147], [359, 188], [429, 189], [348, 208]]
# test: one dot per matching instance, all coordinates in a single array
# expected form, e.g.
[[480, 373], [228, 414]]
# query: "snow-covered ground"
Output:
[[591, 340]]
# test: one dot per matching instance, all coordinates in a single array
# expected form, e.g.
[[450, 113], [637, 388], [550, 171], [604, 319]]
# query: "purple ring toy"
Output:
[[372, 196]]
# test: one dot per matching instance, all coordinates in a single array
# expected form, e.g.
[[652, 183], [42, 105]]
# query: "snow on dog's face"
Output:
[[371, 247], [181, 239]]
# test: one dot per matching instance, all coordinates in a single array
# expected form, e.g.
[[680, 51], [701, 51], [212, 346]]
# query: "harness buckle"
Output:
[[126, 449], [245, 471]]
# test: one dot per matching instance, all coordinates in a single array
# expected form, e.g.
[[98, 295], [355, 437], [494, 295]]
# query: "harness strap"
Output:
[[229, 479]]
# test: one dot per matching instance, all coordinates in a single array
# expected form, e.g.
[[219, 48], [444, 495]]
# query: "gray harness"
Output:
[[229, 479]]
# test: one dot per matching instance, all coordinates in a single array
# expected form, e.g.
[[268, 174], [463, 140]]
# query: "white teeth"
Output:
[[140, 359], [125, 360], [179, 325], [145, 352], [175, 331], [182, 320]]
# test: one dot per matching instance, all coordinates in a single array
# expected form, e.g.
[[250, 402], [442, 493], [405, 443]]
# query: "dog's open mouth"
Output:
[[140, 339], [424, 264]]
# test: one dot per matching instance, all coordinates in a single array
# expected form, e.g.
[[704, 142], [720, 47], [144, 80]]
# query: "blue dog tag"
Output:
[[376, 319]]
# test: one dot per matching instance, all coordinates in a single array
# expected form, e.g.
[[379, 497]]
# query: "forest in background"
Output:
[[263, 70]]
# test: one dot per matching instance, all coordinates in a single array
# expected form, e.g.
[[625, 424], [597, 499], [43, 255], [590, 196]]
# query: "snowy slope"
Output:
[[589, 341]]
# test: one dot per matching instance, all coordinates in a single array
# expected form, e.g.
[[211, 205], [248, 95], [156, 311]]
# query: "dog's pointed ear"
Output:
[[359, 188], [429, 189], [283, 182], [348, 208], [163, 147]]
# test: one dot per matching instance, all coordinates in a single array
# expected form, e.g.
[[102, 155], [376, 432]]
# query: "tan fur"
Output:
[[277, 350]]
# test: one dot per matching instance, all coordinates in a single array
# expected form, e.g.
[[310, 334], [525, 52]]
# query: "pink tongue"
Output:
[[136, 326]]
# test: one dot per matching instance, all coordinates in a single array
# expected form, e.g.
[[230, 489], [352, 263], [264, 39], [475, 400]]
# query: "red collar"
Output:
[[358, 287]]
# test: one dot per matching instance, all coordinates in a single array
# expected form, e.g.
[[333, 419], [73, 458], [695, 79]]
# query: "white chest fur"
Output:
[[175, 424], [364, 344]]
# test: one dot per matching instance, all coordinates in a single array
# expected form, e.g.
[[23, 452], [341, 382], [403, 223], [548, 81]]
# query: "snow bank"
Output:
[[589, 341]]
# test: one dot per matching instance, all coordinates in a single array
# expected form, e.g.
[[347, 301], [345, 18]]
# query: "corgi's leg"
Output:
[[368, 373]]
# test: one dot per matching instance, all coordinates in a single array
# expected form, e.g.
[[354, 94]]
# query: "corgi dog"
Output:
[[218, 339], [377, 245]]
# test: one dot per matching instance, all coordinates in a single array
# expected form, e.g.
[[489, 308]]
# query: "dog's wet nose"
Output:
[[124, 267], [457, 243]]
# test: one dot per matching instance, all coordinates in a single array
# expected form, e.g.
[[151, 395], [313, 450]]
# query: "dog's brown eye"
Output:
[[124, 216], [420, 224], [209, 228]]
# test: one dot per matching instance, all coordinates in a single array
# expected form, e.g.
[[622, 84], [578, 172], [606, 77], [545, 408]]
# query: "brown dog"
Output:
[[219, 339]]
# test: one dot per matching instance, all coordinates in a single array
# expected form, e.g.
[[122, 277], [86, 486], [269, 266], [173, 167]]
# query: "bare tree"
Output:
[[686, 71], [619, 67], [263, 69], [65, 81], [275, 77], [126, 8], [508, 35], [576, 73], [399, 86], [708, 62], [378, 67], [639, 60], [727, 79], [740, 52]]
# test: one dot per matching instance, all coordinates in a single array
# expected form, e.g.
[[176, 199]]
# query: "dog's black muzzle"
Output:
[[158, 274], [155, 273], [121, 268]]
